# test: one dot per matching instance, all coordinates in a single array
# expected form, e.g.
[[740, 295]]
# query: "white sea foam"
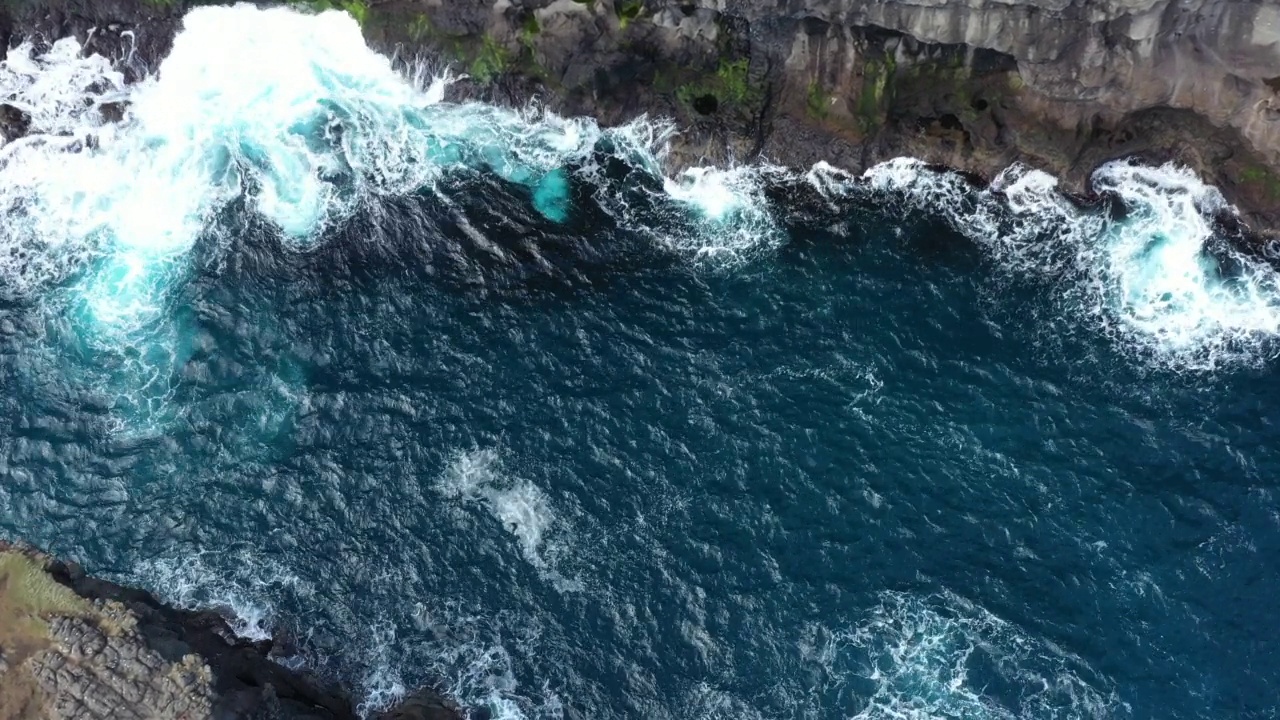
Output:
[[1155, 278], [469, 652], [707, 702], [731, 217], [294, 113], [240, 584], [933, 657], [382, 686], [1161, 280], [522, 508], [61, 90]]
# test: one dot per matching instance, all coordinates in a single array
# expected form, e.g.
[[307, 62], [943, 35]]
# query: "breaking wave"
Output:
[[298, 119], [469, 653], [241, 585], [944, 656], [1156, 275], [296, 116]]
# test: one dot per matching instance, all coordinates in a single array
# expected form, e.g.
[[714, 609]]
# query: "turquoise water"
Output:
[[519, 416]]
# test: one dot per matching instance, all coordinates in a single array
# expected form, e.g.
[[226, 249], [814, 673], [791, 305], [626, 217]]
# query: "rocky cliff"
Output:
[[1062, 85], [73, 647]]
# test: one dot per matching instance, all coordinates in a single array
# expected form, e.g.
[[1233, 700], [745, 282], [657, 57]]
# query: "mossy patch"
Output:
[[420, 28], [530, 27], [1262, 179], [729, 86], [492, 60], [628, 11], [876, 94], [357, 9], [29, 596], [817, 101]]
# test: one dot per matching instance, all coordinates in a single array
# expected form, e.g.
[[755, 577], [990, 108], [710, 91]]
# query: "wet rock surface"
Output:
[[1061, 85], [123, 655]]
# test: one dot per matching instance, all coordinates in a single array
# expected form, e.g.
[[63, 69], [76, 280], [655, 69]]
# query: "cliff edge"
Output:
[[1060, 85], [73, 647]]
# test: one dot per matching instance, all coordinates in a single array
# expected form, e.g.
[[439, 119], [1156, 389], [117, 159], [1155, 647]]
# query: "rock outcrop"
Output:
[[1062, 85], [73, 647]]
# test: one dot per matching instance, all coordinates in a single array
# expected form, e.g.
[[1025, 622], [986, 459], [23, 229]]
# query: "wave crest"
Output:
[[1156, 276]]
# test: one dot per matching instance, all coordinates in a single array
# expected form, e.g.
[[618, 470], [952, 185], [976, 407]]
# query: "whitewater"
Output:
[[748, 460], [298, 118]]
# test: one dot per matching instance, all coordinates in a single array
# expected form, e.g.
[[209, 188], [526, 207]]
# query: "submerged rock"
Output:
[[73, 647], [13, 122]]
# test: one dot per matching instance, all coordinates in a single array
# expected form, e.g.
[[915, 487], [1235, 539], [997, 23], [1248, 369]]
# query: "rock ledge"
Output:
[[73, 647]]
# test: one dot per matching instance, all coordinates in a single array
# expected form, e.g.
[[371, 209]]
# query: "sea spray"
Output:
[[295, 120], [297, 115], [1155, 277], [242, 584], [472, 653], [944, 656]]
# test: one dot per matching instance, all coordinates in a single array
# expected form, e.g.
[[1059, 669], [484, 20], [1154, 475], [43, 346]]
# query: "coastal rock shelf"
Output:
[[73, 647], [1061, 85]]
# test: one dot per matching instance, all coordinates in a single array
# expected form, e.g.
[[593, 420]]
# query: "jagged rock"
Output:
[[110, 652], [113, 111], [1062, 85], [13, 122], [422, 705]]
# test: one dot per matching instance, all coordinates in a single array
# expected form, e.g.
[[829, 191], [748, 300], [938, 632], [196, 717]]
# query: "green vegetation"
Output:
[[529, 30], [817, 101], [492, 60], [876, 88], [1262, 178], [730, 85], [530, 26], [355, 8], [420, 28], [732, 76], [628, 11], [1254, 173], [28, 597]]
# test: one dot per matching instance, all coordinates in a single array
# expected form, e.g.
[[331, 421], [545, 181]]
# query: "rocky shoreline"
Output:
[[74, 647], [1060, 85]]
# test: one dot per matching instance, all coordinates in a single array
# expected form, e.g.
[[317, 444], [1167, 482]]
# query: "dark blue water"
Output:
[[567, 473]]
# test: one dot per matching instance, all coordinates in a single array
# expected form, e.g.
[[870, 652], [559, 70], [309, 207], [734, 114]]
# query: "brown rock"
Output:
[[100, 651]]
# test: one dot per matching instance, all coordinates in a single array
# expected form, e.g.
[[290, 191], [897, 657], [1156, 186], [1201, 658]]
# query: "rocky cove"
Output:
[[76, 647], [1059, 85]]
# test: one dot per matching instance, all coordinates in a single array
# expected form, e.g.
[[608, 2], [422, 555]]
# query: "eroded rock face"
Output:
[[115, 653], [89, 675], [1062, 85]]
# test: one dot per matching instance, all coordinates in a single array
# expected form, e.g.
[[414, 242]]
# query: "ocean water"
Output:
[[455, 394]]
